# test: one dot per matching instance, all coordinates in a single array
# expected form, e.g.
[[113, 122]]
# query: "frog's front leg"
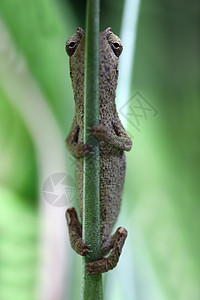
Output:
[[75, 232], [76, 148], [108, 263], [119, 140]]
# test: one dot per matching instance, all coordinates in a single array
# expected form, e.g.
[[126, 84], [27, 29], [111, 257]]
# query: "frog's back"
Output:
[[112, 159], [112, 174]]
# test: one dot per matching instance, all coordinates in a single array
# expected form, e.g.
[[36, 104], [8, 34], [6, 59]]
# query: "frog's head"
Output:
[[75, 48], [110, 50], [74, 41], [113, 40]]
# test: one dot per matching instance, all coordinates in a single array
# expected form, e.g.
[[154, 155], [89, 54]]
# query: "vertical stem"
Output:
[[91, 284]]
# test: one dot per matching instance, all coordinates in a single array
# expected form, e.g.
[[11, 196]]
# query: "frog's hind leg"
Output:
[[75, 232], [116, 244]]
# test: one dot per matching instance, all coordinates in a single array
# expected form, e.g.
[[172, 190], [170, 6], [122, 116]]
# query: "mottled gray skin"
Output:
[[111, 134]]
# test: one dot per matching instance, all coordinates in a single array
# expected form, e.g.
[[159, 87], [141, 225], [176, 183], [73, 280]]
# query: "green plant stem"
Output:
[[91, 284]]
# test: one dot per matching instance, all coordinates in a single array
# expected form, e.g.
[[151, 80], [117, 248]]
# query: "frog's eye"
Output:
[[71, 47], [116, 45], [117, 48]]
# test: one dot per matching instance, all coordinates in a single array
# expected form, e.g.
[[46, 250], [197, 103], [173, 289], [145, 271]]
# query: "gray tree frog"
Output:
[[113, 141]]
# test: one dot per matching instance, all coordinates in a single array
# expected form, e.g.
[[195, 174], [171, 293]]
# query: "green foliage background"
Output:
[[161, 201]]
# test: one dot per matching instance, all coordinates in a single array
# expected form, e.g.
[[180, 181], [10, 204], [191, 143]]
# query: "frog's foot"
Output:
[[101, 132], [118, 140], [110, 262], [75, 232], [83, 149]]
